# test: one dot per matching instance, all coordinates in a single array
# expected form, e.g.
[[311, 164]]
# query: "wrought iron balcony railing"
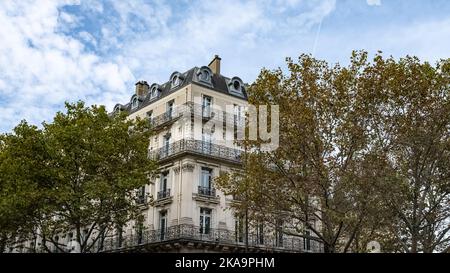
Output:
[[196, 147], [268, 242], [207, 191], [191, 109], [164, 194]]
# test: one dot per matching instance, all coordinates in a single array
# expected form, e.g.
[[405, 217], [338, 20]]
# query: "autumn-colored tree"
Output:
[[83, 169], [413, 129], [336, 173]]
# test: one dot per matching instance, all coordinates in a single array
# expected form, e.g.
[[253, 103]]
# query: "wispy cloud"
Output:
[[374, 2], [58, 50]]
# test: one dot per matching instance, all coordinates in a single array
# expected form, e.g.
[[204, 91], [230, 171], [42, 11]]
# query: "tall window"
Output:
[[205, 220], [141, 195], [206, 140], [166, 146], [140, 232], [119, 235], [206, 106], [237, 113], [260, 233], [205, 187], [237, 119], [307, 240], [163, 186], [169, 108], [162, 224], [150, 116], [239, 228], [279, 233], [56, 249], [224, 125]]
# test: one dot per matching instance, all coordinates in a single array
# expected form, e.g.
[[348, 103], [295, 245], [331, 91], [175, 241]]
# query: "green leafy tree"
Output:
[[24, 182], [92, 166]]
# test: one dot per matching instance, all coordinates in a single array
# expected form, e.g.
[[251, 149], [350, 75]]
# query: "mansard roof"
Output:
[[218, 83]]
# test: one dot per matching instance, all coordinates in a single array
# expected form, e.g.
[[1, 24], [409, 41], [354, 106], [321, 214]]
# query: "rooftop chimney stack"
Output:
[[142, 88], [215, 65]]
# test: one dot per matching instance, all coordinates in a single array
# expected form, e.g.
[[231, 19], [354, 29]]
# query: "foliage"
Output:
[[364, 154], [76, 176]]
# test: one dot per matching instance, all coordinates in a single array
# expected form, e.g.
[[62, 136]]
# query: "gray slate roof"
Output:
[[219, 83]]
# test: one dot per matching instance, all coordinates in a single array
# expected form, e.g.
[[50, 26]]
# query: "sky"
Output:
[[52, 51]]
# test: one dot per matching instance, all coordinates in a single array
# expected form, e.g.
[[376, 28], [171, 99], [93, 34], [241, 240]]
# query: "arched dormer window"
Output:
[[134, 103], [118, 108], [236, 85], [176, 79], [204, 74], [154, 91]]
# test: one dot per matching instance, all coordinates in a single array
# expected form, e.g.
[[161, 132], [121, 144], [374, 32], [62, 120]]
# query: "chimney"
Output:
[[215, 65], [142, 88]]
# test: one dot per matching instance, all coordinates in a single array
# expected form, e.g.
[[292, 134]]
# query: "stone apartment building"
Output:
[[196, 116]]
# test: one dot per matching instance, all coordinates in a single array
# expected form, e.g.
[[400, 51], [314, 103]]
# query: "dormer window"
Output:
[[204, 74], [235, 85], [154, 91], [175, 79], [134, 103], [118, 108]]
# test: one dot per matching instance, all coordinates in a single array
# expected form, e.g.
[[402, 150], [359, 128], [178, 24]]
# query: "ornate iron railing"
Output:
[[207, 191], [196, 147], [163, 194], [187, 232], [191, 109]]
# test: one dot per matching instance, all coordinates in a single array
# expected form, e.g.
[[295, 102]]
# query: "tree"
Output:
[[23, 181], [336, 172], [414, 106], [92, 166]]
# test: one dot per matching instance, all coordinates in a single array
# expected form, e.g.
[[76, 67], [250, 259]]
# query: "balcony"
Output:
[[185, 234], [190, 110], [163, 194], [164, 119], [206, 191], [163, 198], [196, 147], [206, 195]]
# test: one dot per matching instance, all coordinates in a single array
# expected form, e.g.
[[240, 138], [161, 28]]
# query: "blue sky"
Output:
[[53, 51]]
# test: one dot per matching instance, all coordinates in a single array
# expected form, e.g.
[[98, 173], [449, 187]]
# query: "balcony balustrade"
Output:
[[196, 147], [267, 242], [164, 194], [190, 110], [207, 191]]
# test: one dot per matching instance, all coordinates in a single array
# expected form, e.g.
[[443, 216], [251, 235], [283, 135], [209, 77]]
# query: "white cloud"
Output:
[[47, 55], [40, 68], [374, 2]]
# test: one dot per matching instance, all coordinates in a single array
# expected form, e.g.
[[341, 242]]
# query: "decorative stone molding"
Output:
[[188, 167], [176, 169]]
